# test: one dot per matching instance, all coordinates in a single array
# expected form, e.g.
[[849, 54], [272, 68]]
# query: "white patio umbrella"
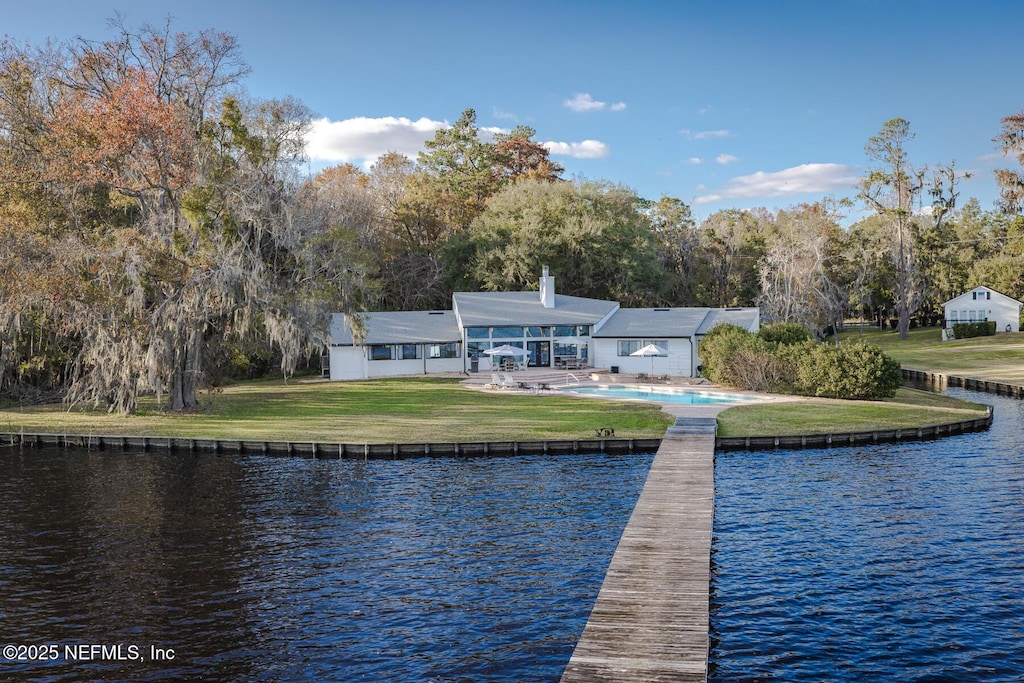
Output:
[[651, 350], [507, 350]]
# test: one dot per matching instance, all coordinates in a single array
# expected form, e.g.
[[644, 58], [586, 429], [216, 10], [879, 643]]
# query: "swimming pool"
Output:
[[659, 394]]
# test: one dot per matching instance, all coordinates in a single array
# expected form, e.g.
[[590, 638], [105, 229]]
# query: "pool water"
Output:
[[658, 394]]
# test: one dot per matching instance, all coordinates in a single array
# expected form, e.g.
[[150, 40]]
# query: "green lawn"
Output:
[[432, 409], [394, 410], [909, 408], [999, 358]]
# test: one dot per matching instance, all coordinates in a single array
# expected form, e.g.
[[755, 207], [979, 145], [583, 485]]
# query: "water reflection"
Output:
[[891, 562], [254, 568]]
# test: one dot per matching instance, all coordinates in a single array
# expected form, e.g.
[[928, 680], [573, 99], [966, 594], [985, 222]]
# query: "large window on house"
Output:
[[450, 350], [572, 331], [506, 333], [394, 351], [477, 348], [478, 332]]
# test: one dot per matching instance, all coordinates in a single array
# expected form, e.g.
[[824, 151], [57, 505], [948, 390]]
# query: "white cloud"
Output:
[[364, 139], [726, 159], [490, 133], [584, 102], [501, 114], [695, 160], [993, 158], [588, 149], [806, 178], [706, 134]]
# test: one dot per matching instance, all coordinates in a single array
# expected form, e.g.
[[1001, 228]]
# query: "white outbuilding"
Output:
[[982, 304]]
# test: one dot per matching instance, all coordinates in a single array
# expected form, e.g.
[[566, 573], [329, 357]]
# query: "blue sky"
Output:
[[720, 104]]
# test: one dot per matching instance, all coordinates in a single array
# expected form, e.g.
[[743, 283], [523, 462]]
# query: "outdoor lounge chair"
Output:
[[507, 382]]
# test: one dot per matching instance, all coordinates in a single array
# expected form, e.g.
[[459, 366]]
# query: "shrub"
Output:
[[718, 350], [851, 370], [733, 357], [785, 333], [976, 329]]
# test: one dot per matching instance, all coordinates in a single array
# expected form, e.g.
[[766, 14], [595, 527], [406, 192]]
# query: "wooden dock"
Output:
[[650, 621]]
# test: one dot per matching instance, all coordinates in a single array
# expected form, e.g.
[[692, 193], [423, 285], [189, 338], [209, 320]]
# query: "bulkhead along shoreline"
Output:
[[611, 445]]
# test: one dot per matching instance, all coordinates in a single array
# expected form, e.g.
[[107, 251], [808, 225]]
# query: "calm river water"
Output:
[[888, 563], [884, 563], [278, 569]]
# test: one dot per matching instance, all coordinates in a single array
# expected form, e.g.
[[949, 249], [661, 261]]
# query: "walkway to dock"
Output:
[[650, 621]]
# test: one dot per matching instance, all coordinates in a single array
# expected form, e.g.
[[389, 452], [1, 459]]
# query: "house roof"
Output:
[[665, 323], [670, 323], [494, 309], [399, 327], [747, 318], [987, 289]]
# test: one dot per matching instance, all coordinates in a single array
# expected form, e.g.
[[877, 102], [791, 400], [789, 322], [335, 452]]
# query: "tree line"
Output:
[[157, 233]]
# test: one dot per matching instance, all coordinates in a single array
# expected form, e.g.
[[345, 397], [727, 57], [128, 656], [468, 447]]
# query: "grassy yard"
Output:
[[999, 358], [406, 410], [909, 408], [432, 409]]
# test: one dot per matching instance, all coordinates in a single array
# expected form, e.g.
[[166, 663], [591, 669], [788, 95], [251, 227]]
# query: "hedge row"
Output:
[[786, 359], [976, 329]]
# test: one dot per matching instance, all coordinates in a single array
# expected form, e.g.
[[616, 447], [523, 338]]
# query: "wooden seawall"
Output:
[[650, 620], [937, 381], [313, 449]]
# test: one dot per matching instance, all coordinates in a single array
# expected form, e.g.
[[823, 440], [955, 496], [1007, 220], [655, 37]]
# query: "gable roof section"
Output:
[[674, 323], [665, 323], [399, 327], [987, 289], [747, 318], [495, 309]]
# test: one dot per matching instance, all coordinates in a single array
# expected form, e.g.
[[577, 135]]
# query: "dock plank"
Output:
[[650, 620]]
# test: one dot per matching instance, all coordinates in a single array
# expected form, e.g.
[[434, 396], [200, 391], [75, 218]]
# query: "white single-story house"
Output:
[[554, 330], [979, 305]]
